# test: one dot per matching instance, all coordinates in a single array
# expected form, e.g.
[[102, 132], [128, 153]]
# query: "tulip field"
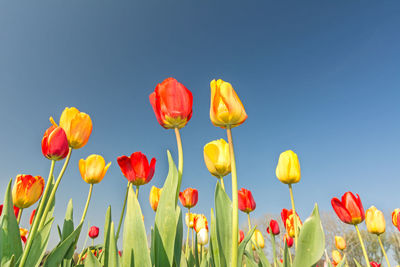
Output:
[[178, 236]]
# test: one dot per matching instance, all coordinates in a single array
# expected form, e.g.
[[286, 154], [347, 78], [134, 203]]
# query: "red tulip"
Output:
[[374, 264], [274, 226], [241, 236], [93, 232], [172, 104], [32, 216], [288, 240], [136, 168], [16, 210], [396, 218], [55, 143], [189, 197], [350, 210], [246, 201]]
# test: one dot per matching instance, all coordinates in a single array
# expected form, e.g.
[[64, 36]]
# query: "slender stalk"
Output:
[[362, 245], [201, 253], [38, 214], [180, 164], [188, 232], [273, 247], [19, 216], [87, 203], [248, 221], [222, 182], [235, 215], [294, 216], [383, 250], [137, 191], [290, 258], [193, 240], [347, 263], [122, 212], [92, 242]]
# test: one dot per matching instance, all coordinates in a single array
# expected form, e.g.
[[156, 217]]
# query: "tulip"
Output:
[[154, 197], [340, 243], [93, 232], [189, 197], [27, 190], [288, 240], [202, 236], [288, 168], [32, 216], [336, 257], [172, 104], [217, 159], [16, 210], [136, 168], [226, 111], [350, 209], [374, 264], [246, 200], [258, 239], [189, 219], [375, 221], [77, 126], [55, 143], [288, 219], [241, 236], [200, 222], [23, 233], [396, 218], [93, 169], [274, 226]]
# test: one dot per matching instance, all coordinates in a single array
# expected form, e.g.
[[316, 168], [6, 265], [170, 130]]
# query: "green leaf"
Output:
[[223, 212], [68, 228], [91, 260], [10, 237], [135, 250], [286, 256], [107, 226], [263, 259], [214, 247], [113, 257], [311, 243], [178, 237], [243, 245]]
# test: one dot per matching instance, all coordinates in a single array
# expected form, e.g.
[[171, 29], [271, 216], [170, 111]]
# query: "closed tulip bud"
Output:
[[23, 233], [350, 209], [374, 264], [288, 168], [136, 168], [217, 158], [340, 243], [55, 143], [27, 190], [246, 201], [172, 104], [200, 222], [226, 111], [289, 240], [288, 221], [77, 126], [93, 232], [202, 236], [336, 257], [189, 197], [241, 236], [32, 216], [375, 221], [93, 169], [258, 239], [190, 219], [154, 197], [274, 226], [396, 218]]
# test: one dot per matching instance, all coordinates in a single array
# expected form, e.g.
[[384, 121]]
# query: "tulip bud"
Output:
[[154, 197], [258, 239], [189, 220], [241, 236], [350, 209], [189, 197], [32, 216], [396, 218], [340, 243], [93, 169], [288, 169], [202, 236], [23, 233], [93, 232], [336, 257], [136, 168], [200, 222], [289, 240], [217, 158], [288, 221], [374, 264], [375, 221], [27, 190], [55, 143], [274, 226], [246, 201]]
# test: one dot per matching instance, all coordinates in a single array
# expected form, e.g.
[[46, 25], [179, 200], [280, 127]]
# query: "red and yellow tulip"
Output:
[[189, 197], [396, 218], [288, 219], [27, 190], [55, 143]]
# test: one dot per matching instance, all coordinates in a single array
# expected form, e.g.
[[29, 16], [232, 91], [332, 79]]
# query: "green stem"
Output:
[[188, 232], [19, 216], [122, 212], [87, 203], [137, 192], [248, 221], [273, 247], [383, 250], [294, 216], [193, 241], [222, 182], [38, 214], [92, 242], [235, 215], [180, 164], [201, 253], [362, 245]]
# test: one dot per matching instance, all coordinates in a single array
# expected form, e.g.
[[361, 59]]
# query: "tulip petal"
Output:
[[341, 211], [126, 167]]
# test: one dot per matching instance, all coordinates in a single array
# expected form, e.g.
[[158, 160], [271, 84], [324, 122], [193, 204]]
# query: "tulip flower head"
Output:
[[289, 240], [93, 232], [246, 201], [241, 236], [226, 111], [172, 104], [154, 197], [16, 210], [189, 197], [202, 236], [349, 209], [190, 219], [336, 257], [257, 239], [32, 216], [200, 222], [23, 233], [217, 158], [374, 264], [55, 143], [274, 226], [93, 168], [27, 190], [375, 221], [136, 168], [288, 168], [77, 126], [288, 221], [340, 243], [396, 218]]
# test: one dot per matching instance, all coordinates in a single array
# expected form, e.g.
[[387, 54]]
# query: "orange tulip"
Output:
[[336, 257], [154, 197], [340, 243], [23, 233], [27, 190], [189, 197]]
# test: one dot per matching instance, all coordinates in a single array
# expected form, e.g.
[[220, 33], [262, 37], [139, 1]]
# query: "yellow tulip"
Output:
[[226, 111], [288, 169], [154, 197], [258, 239], [27, 190], [93, 169], [340, 243], [217, 159], [77, 126], [189, 221], [375, 221], [336, 257]]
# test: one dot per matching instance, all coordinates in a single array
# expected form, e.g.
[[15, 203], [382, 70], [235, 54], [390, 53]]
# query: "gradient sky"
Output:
[[318, 77]]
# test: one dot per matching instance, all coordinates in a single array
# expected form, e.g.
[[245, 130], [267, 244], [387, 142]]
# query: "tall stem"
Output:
[[294, 216], [87, 203], [273, 247], [383, 250], [188, 232], [137, 191], [122, 212], [39, 213], [180, 164], [248, 221], [19, 216], [222, 182], [362, 245], [235, 215], [193, 241]]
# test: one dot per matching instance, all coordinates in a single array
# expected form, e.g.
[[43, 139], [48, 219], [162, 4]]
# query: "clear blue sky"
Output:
[[318, 77]]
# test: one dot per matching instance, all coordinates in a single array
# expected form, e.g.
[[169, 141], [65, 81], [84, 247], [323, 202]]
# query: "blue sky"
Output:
[[318, 77]]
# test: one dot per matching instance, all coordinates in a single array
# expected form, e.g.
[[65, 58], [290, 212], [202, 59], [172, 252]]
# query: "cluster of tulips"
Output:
[[227, 245]]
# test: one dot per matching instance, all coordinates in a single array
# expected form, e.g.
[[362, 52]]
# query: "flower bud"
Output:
[[189, 197], [93, 232], [154, 197], [93, 169], [375, 221], [246, 201], [288, 168], [258, 239], [27, 190], [217, 158], [202, 236], [77, 126], [340, 243], [274, 226], [55, 143], [336, 257]]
